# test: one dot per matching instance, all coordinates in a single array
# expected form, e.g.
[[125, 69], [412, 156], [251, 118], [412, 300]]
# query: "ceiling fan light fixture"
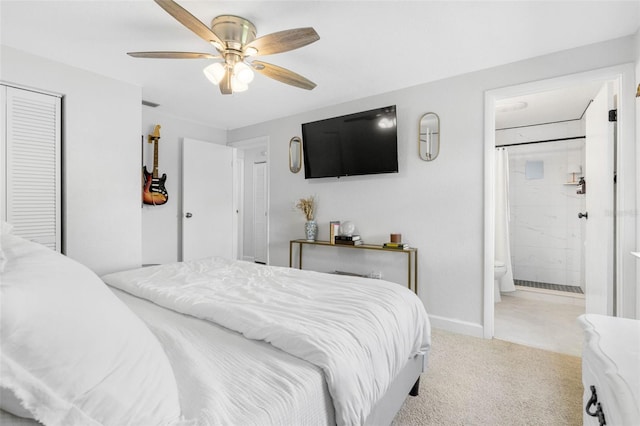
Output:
[[214, 72], [243, 72], [235, 40], [238, 86]]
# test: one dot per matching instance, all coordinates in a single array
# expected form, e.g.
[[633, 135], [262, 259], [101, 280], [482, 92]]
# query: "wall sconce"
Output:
[[295, 154], [573, 170], [429, 136]]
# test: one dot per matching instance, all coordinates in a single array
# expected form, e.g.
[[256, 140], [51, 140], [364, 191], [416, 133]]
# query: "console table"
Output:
[[411, 253]]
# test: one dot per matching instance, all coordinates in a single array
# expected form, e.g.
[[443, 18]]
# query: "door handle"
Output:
[[188, 215], [585, 215]]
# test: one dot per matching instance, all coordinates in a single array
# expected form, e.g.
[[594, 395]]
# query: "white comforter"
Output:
[[360, 332], [225, 379]]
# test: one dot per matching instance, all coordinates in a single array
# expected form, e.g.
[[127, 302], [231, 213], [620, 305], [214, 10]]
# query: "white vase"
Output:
[[311, 230]]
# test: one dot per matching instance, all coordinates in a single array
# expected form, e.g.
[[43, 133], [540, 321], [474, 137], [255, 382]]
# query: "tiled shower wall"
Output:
[[547, 243]]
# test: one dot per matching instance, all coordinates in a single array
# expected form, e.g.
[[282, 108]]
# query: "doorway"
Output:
[[620, 241], [540, 237], [254, 200], [260, 212]]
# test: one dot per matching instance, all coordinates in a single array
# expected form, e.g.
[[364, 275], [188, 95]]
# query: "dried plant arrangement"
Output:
[[307, 207]]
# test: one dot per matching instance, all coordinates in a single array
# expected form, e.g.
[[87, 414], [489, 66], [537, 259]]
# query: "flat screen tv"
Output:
[[356, 144]]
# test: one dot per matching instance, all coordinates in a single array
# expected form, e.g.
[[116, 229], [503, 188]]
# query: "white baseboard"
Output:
[[248, 258], [456, 326]]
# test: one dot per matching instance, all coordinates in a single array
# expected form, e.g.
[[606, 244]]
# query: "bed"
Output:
[[208, 342]]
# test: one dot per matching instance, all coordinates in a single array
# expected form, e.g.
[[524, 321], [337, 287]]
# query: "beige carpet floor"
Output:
[[473, 381]]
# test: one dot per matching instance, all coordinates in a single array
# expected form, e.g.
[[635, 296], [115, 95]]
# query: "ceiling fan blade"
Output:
[[173, 55], [189, 21], [284, 41], [225, 83], [283, 75]]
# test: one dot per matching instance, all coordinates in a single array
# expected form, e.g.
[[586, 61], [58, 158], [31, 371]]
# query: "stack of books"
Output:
[[348, 240], [334, 227], [398, 246]]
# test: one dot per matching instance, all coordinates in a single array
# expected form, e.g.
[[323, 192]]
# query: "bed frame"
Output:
[[406, 383]]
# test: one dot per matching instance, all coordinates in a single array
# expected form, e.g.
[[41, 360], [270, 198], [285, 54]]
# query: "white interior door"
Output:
[[260, 212], [209, 219], [238, 194], [599, 178]]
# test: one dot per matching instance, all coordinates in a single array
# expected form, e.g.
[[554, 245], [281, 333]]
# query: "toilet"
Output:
[[499, 269]]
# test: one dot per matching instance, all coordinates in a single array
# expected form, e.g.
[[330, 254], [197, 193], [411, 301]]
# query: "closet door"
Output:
[[31, 148]]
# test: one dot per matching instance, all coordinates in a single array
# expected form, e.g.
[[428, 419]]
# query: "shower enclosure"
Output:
[[546, 234]]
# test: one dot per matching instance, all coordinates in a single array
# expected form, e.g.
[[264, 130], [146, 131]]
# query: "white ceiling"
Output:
[[568, 103], [365, 47]]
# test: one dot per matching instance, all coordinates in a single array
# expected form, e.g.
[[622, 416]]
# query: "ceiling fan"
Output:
[[235, 41]]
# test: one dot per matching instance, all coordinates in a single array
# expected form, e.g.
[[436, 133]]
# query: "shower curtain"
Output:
[[502, 244]]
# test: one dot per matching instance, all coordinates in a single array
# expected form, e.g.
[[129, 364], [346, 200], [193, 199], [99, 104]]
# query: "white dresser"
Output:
[[611, 370]]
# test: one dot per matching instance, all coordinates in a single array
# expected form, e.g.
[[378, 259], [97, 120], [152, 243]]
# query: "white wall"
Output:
[[547, 238], [437, 206], [101, 158], [161, 230]]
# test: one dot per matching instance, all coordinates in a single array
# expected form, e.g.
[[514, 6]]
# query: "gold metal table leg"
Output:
[[415, 273], [409, 270]]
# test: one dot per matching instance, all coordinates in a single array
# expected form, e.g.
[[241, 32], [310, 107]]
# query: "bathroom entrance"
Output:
[[540, 238], [553, 207]]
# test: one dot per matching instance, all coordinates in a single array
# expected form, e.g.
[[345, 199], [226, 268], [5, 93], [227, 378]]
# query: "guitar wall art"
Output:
[[153, 191]]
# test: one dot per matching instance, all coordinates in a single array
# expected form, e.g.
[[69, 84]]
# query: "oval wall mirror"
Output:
[[429, 136], [295, 154]]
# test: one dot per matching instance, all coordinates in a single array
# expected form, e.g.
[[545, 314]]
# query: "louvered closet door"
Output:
[[32, 164]]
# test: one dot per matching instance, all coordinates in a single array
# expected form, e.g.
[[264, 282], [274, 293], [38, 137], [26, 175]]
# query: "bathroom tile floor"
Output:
[[542, 324], [548, 286]]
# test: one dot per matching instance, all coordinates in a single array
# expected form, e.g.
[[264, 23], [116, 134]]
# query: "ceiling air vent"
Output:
[[150, 104]]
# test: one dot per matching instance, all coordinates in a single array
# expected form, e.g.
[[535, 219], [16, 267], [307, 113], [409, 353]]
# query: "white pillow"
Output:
[[72, 353], [5, 228]]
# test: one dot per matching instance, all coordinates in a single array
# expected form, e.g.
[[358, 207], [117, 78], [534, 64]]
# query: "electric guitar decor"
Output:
[[154, 192]]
